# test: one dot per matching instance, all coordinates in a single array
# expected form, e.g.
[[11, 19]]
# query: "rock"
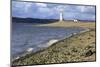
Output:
[[88, 53], [17, 57], [52, 41], [29, 49]]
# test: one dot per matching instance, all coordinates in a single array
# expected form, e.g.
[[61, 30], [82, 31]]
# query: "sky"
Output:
[[52, 10]]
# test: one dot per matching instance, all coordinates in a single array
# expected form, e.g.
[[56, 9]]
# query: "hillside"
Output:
[[33, 20]]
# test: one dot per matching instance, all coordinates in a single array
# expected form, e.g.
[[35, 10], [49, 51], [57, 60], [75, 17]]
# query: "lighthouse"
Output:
[[61, 15]]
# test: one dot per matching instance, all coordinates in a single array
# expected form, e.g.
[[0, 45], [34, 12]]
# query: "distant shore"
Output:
[[70, 24]]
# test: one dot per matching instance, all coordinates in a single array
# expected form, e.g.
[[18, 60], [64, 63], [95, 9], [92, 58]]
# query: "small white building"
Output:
[[75, 20]]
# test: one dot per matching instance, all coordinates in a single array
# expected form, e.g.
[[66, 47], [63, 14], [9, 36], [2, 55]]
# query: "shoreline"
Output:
[[50, 43], [71, 36], [85, 29]]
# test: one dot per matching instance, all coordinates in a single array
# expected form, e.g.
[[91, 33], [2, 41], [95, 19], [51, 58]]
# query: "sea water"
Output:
[[26, 35]]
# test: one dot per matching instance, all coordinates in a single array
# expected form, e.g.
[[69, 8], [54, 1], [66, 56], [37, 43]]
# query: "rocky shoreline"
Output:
[[76, 48], [49, 43]]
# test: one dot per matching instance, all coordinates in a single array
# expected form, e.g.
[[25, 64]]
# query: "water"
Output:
[[25, 35]]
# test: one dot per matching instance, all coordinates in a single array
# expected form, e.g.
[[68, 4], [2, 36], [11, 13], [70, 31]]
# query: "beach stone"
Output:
[[51, 42], [88, 53], [17, 57], [74, 33], [74, 50], [92, 46], [29, 49]]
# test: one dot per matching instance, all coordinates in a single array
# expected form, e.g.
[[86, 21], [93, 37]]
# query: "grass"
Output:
[[70, 24]]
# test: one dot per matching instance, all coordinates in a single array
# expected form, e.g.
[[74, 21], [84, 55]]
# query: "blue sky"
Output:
[[51, 11]]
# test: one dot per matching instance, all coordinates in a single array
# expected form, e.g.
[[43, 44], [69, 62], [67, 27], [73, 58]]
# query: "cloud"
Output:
[[21, 6], [41, 4], [86, 9], [44, 10], [93, 17], [22, 9], [81, 8]]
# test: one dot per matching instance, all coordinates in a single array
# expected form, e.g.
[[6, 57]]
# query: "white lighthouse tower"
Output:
[[61, 15]]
